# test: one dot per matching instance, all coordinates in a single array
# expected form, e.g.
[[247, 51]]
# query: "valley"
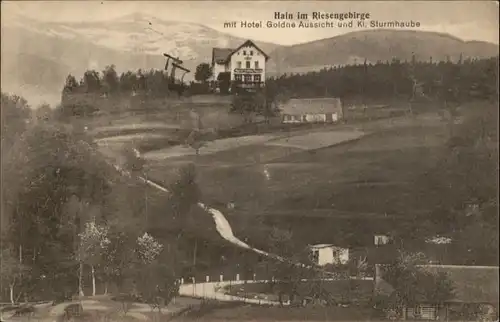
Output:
[[344, 176]]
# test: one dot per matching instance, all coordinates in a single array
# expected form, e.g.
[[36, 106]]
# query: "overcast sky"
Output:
[[468, 20]]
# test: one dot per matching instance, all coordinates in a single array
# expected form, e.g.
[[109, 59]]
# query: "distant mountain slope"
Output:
[[376, 45], [37, 56]]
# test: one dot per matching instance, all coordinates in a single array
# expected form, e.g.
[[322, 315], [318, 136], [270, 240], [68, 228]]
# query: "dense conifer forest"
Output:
[[450, 80]]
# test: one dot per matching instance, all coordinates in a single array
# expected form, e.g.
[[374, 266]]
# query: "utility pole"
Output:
[[365, 73], [195, 251], [146, 200], [415, 84]]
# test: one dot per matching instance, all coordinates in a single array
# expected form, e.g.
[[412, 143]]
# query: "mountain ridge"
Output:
[[377, 45], [138, 41]]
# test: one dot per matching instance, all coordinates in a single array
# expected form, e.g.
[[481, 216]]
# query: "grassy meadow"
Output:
[[343, 177]]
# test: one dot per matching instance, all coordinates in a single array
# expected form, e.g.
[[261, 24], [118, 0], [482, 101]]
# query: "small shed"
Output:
[[312, 110], [324, 254], [381, 239]]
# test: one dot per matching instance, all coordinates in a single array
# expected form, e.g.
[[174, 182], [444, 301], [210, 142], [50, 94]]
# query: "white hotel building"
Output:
[[245, 64]]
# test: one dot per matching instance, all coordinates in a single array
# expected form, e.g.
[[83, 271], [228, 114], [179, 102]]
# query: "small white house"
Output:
[[324, 254], [381, 240], [311, 110]]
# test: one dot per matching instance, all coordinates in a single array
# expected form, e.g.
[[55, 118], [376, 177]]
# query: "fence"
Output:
[[213, 289]]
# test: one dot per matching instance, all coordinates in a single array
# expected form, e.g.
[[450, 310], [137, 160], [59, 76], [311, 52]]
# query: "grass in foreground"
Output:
[[103, 309]]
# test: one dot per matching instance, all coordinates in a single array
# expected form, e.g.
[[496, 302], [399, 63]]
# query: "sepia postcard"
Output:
[[248, 161]]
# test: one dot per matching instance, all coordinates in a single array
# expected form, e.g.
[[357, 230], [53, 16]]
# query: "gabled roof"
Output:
[[311, 106], [221, 55], [319, 246], [246, 44]]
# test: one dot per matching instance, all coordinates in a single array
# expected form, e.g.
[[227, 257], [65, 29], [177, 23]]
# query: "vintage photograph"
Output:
[[253, 161]]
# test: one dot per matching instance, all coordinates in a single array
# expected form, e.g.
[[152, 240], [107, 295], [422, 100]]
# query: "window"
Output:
[[256, 78], [244, 52], [335, 254], [256, 65], [238, 64], [248, 64], [251, 52], [248, 78], [315, 256], [237, 77]]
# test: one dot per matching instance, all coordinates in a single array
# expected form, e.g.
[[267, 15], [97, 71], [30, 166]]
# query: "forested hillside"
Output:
[[384, 80], [70, 218], [453, 80]]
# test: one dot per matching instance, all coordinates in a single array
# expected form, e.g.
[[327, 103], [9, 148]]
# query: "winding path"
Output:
[[215, 291], [222, 225]]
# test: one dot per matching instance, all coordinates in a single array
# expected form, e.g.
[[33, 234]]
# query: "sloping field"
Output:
[[212, 111], [210, 148], [283, 142], [131, 137], [366, 175], [134, 128], [318, 140], [240, 156]]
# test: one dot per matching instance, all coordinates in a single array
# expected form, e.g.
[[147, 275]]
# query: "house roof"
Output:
[[249, 43], [472, 284], [311, 106], [319, 246], [220, 55]]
